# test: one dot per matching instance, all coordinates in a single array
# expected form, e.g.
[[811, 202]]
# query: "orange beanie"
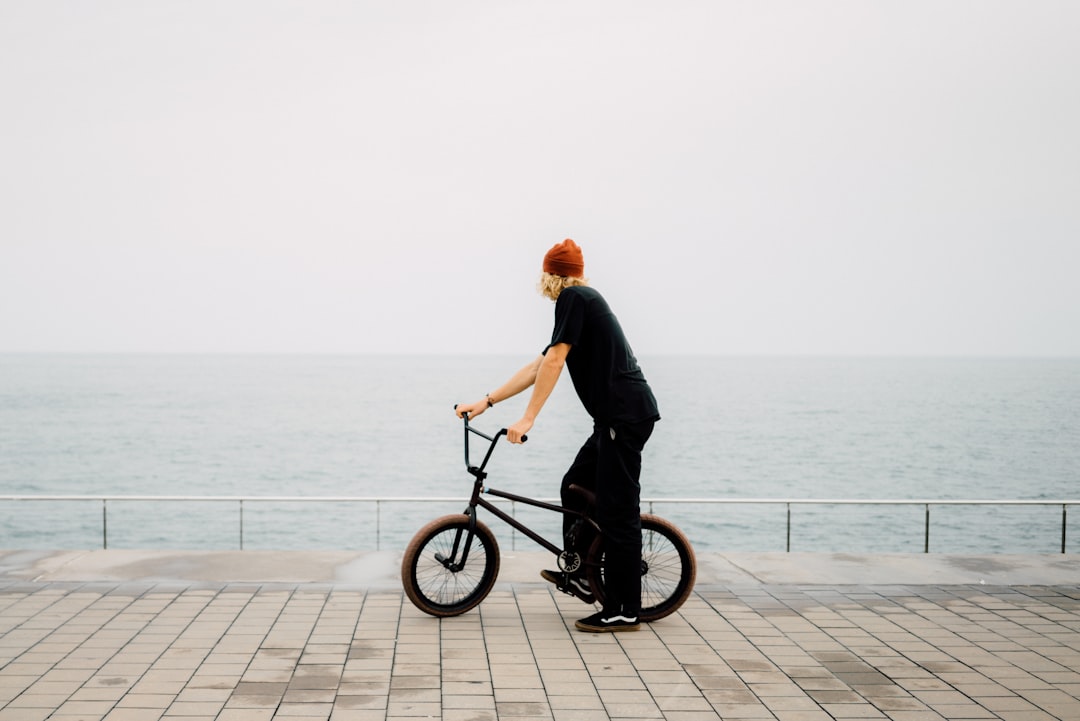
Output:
[[565, 258]]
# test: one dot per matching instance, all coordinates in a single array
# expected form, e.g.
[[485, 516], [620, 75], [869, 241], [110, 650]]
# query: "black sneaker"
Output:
[[574, 585], [601, 623]]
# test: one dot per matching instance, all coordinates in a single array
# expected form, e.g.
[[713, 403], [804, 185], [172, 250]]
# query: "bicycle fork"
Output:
[[453, 564]]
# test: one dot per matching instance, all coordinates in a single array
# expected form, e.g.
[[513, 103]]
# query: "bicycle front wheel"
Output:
[[446, 570], [668, 568]]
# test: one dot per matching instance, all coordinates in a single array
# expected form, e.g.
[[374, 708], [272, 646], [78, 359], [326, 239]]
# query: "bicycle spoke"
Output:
[[665, 569]]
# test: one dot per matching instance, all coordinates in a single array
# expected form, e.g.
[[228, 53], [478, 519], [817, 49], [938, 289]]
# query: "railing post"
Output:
[[241, 524], [104, 524], [788, 545], [378, 524], [926, 535], [1064, 520]]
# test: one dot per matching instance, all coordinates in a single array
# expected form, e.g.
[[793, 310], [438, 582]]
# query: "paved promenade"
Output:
[[254, 636]]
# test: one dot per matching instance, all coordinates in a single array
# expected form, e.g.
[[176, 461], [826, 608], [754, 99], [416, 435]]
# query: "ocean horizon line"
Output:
[[512, 354]]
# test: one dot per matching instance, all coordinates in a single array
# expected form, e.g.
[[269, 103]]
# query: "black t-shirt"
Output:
[[605, 373]]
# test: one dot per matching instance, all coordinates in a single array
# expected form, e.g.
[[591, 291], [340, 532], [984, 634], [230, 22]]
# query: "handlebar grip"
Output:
[[503, 433]]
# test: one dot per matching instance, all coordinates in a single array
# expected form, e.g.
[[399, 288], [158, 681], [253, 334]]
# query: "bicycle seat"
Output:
[[587, 495]]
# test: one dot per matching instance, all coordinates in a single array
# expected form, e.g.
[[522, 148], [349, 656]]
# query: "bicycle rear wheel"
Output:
[[435, 580], [668, 568]]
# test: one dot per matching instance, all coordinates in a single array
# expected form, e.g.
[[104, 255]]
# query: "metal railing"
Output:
[[650, 503]]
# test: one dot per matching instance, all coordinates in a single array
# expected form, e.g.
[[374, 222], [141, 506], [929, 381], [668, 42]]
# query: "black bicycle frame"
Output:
[[476, 500]]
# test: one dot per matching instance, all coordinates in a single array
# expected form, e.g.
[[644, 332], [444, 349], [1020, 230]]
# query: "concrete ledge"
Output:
[[381, 569]]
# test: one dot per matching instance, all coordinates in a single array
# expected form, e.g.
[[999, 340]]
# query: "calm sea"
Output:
[[733, 427]]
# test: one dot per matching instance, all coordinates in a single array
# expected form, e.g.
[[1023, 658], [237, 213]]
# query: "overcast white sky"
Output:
[[859, 177]]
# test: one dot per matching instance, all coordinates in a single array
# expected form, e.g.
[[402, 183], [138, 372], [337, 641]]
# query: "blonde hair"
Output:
[[550, 286]]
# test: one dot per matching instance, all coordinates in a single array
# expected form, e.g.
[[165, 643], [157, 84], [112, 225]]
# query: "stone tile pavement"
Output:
[[142, 651]]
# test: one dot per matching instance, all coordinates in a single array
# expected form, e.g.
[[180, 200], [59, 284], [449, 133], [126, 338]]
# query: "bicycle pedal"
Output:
[[578, 593], [565, 584]]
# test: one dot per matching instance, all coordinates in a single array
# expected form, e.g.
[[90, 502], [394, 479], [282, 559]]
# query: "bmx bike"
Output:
[[451, 564]]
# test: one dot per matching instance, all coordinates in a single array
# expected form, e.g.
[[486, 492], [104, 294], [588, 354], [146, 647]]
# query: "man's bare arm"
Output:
[[547, 375], [517, 383]]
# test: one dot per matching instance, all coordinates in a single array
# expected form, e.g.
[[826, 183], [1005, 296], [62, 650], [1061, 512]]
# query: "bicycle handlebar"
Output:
[[494, 439], [502, 431]]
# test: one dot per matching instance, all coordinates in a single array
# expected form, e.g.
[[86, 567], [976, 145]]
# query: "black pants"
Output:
[[609, 465]]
